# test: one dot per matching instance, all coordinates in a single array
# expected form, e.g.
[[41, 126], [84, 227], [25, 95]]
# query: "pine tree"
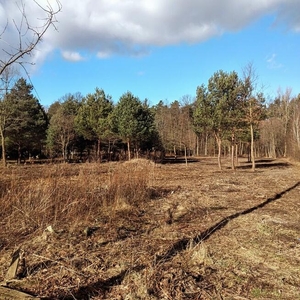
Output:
[[28, 120], [93, 118], [133, 121]]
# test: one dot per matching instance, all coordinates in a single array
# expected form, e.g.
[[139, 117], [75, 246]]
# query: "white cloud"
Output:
[[103, 54], [128, 27], [72, 56]]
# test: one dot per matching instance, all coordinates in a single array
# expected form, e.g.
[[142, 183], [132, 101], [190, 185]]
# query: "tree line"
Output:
[[227, 117]]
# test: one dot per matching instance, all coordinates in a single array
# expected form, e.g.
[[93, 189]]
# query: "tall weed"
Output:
[[35, 197]]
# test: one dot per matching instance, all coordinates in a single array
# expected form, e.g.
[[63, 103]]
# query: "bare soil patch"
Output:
[[174, 232]]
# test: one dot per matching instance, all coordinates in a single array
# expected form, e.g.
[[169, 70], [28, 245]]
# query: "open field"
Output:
[[137, 230]]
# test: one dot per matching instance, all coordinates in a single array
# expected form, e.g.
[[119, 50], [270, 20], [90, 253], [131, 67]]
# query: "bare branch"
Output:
[[25, 46]]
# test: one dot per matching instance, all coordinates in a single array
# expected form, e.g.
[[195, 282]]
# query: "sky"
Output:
[[156, 49]]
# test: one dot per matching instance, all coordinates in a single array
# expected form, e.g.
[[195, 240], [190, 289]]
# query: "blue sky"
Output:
[[163, 53]]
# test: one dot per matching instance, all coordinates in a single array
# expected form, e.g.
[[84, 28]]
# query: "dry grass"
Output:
[[137, 230], [129, 183], [62, 195]]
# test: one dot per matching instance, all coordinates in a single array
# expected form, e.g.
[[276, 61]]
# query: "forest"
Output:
[[227, 116]]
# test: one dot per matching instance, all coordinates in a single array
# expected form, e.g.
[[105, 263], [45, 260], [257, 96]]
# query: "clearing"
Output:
[[196, 233]]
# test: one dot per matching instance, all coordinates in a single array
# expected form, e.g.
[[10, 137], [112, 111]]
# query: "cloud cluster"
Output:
[[127, 27]]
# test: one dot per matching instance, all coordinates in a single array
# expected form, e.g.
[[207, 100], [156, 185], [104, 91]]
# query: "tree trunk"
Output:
[[236, 155], [285, 146], [3, 149], [219, 142], [99, 158], [128, 149], [273, 146], [109, 151], [63, 147], [252, 147], [19, 154], [232, 151], [206, 144]]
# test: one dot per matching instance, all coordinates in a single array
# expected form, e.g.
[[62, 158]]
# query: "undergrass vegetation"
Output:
[[138, 230], [60, 196]]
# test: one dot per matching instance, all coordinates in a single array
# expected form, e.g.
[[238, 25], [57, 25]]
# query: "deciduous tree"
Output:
[[295, 128], [253, 101], [6, 118], [19, 38], [61, 132]]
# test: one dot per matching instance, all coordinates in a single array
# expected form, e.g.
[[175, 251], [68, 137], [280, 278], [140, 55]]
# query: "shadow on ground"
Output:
[[265, 163], [178, 160], [184, 243], [101, 287]]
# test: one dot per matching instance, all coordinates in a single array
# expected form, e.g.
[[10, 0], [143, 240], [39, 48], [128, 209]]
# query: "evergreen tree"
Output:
[[93, 118], [28, 120], [217, 109], [201, 115], [133, 121]]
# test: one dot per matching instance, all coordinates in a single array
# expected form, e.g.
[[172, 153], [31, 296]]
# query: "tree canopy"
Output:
[[28, 120], [93, 120], [133, 121], [228, 116]]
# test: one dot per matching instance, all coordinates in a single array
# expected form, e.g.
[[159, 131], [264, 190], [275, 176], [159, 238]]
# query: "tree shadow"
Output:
[[264, 160], [183, 244], [261, 164], [101, 287], [178, 160]]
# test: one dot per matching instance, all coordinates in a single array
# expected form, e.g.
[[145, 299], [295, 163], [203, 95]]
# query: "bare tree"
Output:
[[285, 114], [6, 118], [186, 134], [254, 103], [29, 35], [296, 127], [16, 53]]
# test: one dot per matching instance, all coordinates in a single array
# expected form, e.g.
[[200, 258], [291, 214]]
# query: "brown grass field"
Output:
[[139, 230]]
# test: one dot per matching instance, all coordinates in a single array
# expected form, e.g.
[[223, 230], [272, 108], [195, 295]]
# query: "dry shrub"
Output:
[[71, 199], [129, 183], [56, 199], [69, 195]]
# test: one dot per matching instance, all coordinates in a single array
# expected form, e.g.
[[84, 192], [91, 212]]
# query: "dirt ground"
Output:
[[203, 234]]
